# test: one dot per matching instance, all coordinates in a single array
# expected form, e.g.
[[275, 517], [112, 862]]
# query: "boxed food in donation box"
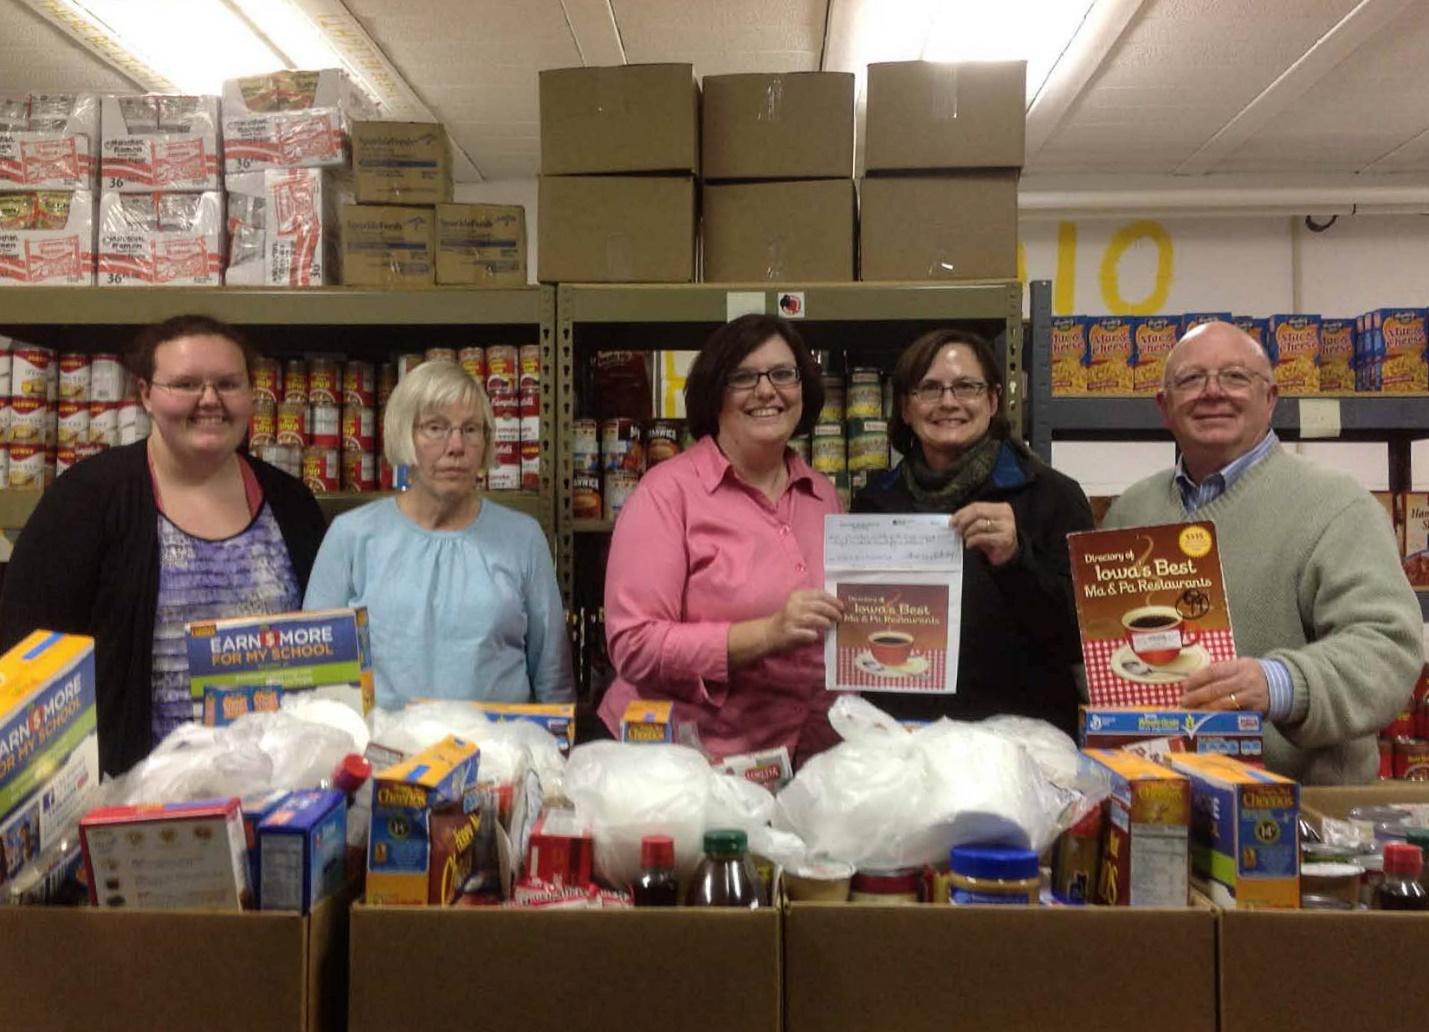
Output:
[[648, 720], [254, 809], [768, 767], [161, 239], [1156, 733], [156, 142], [327, 651], [1145, 859], [289, 119], [283, 227], [47, 239], [48, 141], [425, 818], [1245, 838], [557, 718], [561, 850], [302, 848], [49, 745], [167, 855]]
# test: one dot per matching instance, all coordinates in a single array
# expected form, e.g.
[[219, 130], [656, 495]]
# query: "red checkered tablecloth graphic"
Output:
[[852, 675], [1107, 688]]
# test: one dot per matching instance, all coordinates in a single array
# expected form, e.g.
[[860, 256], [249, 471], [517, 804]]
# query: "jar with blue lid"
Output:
[[993, 874]]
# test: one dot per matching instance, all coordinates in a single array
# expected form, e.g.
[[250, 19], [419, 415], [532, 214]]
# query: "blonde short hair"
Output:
[[433, 385]]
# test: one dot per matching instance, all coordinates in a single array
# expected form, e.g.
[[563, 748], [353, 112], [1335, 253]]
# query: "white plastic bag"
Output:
[[507, 747]]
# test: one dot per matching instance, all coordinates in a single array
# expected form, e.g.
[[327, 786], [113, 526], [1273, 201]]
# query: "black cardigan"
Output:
[[87, 562], [1019, 641]]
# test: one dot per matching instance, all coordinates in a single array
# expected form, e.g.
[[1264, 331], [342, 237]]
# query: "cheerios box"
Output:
[[1158, 733], [327, 651], [49, 744], [1145, 850]]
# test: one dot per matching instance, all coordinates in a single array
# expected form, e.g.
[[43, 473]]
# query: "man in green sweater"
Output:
[[1328, 630]]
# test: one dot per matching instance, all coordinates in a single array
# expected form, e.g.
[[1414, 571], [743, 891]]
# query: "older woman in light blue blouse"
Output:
[[460, 591]]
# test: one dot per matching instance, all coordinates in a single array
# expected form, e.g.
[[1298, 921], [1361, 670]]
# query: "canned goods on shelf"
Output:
[[865, 395], [440, 355], [74, 377], [1411, 759], [324, 426], [322, 469], [530, 465], [662, 441], [30, 372], [473, 360], [406, 362], [267, 378], [359, 428], [834, 399], [359, 383], [295, 381], [5, 369], [27, 466], [73, 423], [359, 471], [505, 474], [620, 447], [108, 379], [263, 423], [292, 424], [802, 445], [529, 403], [104, 422], [529, 359], [585, 446], [585, 496], [386, 381], [65, 458], [502, 368], [867, 444], [618, 486], [324, 382], [829, 452]]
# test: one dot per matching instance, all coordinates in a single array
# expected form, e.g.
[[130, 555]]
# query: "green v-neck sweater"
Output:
[[1313, 579]]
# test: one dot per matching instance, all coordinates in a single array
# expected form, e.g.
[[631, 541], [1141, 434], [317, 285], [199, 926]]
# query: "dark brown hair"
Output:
[[140, 357], [913, 365], [730, 345]]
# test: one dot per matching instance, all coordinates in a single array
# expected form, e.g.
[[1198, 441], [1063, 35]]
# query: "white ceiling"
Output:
[[1149, 88]]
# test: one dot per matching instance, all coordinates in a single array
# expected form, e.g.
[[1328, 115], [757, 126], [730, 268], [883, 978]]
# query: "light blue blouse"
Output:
[[454, 614]]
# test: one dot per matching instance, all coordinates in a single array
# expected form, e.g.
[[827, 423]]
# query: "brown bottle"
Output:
[[657, 884], [726, 876], [1400, 889]]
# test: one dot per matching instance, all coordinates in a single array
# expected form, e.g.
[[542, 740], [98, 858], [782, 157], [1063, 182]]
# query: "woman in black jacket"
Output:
[[1019, 640], [129, 545]]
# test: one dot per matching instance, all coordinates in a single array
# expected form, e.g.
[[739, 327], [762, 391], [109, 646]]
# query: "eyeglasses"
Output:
[[228, 387], [438, 431], [748, 379], [1233, 380], [930, 392]]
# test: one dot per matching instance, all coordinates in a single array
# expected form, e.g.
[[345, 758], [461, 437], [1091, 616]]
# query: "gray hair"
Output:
[[433, 385]]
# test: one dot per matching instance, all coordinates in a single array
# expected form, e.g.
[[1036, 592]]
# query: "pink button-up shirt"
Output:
[[695, 550]]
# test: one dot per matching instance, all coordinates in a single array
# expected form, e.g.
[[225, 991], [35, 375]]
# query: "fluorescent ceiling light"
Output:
[[1035, 31]]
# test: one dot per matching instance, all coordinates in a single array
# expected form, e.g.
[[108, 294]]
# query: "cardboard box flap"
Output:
[[627, 118]]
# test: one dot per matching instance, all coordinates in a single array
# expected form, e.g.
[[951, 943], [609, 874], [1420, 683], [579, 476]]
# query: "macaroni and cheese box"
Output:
[[1110, 346], [1145, 833], [1245, 838], [1161, 733], [1257, 329], [1190, 320], [325, 650], [49, 744], [648, 720], [1293, 346], [558, 718], [1069, 355], [1337, 353], [1154, 337], [1400, 342], [302, 849]]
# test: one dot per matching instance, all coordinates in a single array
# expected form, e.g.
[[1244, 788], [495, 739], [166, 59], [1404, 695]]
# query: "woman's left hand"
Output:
[[990, 527]]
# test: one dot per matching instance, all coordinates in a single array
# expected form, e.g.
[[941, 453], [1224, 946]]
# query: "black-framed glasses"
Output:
[[748, 379], [930, 392], [1232, 380], [228, 387]]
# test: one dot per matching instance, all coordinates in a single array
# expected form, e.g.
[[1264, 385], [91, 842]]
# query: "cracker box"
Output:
[[49, 141], [1145, 833], [47, 239], [289, 119], [425, 818], [561, 849], [648, 720], [1337, 352], [302, 847], [1293, 346], [189, 855], [153, 142], [1414, 543], [1190, 320], [388, 246], [1245, 838], [401, 163], [1069, 355], [1400, 343], [49, 745], [222, 705], [326, 650], [283, 227], [1160, 733], [558, 718], [1154, 336], [161, 239], [481, 245], [1110, 346]]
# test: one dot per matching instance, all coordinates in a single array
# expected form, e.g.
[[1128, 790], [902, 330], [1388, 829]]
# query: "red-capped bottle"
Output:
[[657, 884], [1400, 889]]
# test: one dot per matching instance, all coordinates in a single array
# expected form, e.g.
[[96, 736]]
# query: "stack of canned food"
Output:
[[850, 440], [1404, 742], [610, 456]]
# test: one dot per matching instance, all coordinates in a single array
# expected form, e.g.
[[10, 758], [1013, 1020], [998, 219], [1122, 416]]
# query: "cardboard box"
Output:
[[727, 960], [617, 229], [49, 141], [1145, 838], [629, 118], [49, 745], [797, 125], [401, 163], [924, 115], [388, 246], [283, 227], [951, 227], [1337, 351], [1074, 969], [161, 240], [289, 119], [302, 850], [1293, 346], [1163, 732], [153, 142], [798, 231], [56, 256], [1069, 355], [481, 245], [557, 718], [222, 972]]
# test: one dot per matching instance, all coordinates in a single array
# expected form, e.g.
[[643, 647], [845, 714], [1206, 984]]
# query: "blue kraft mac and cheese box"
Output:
[[302, 847]]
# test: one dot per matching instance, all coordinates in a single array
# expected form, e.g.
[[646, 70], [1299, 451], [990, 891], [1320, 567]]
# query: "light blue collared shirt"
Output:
[[1193, 497]]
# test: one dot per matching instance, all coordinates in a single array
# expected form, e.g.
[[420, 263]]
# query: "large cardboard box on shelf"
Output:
[[800, 230], [1286, 971], [58, 249], [221, 972], [153, 142], [481, 245], [617, 229], [289, 119], [629, 118], [1004, 967], [388, 246], [791, 126], [49, 141], [283, 227], [659, 969], [401, 163], [939, 228], [924, 115], [161, 239]]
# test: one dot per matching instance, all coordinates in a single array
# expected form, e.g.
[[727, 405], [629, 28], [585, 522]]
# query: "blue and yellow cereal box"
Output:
[[1293, 346], [1400, 342], [1337, 353], [1110, 345], [1155, 336], [1069, 355], [1157, 733]]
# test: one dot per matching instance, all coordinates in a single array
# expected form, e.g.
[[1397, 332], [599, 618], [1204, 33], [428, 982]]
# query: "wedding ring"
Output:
[[986, 523], [1234, 703]]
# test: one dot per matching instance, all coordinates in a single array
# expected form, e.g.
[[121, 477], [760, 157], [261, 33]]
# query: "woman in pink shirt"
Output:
[[714, 590]]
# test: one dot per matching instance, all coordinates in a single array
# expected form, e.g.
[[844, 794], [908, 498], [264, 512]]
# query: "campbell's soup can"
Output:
[[1402, 726], [130, 424], [529, 357], [29, 417], [662, 441], [108, 379], [5, 415], [73, 425], [1386, 759], [440, 355], [585, 496], [585, 446], [292, 427], [5, 360], [263, 424], [505, 475], [529, 403], [74, 377], [530, 465], [865, 395], [621, 448], [64, 458], [359, 471], [267, 377], [324, 382], [833, 410], [829, 454], [324, 426], [30, 372], [867, 444], [295, 380], [1411, 759], [502, 373], [104, 423], [322, 469], [359, 383], [618, 486], [473, 360], [406, 362], [359, 428], [27, 466]]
